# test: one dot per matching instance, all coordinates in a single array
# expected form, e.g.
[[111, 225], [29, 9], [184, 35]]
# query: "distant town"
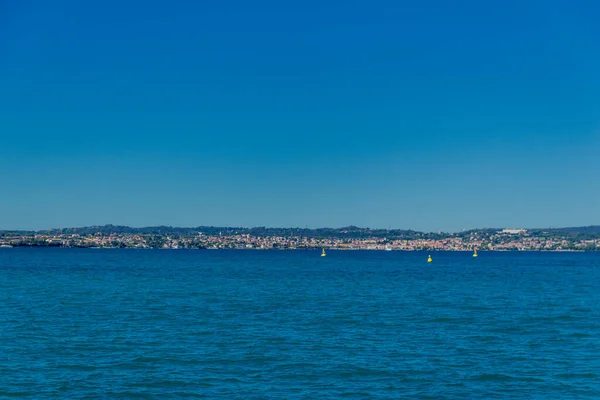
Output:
[[349, 238]]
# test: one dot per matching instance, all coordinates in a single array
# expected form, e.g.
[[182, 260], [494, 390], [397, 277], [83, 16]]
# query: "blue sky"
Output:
[[429, 115]]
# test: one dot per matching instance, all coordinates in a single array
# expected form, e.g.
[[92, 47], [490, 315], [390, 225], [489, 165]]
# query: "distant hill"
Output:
[[345, 232], [349, 232], [11, 232], [576, 233], [582, 229], [120, 229]]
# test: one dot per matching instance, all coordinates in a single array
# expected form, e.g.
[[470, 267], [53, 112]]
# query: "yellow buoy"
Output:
[[429, 259], [475, 253], [323, 253]]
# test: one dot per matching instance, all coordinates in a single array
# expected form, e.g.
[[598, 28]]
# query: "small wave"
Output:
[[361, 395], [445, 320], [17, 394], [146, 359], [552, 318], [507, 329], [589, 375], [492, 377], [578, 335], [297, 366], [360, 372], [77, 367], [483, 338], [582, 310]]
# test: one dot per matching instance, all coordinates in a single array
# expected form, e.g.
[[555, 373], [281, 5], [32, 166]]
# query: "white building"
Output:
[[513, 231]]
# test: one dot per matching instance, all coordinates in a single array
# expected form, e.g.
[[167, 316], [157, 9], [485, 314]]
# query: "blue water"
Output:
[[292, 325]]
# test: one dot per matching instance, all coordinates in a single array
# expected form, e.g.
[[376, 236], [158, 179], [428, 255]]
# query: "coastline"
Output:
[[432, 250], [342, 239]]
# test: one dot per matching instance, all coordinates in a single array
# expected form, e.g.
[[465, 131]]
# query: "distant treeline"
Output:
[[347, 232], [350, 232]]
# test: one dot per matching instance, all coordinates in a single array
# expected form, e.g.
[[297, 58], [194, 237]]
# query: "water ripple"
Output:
[[253, 325]]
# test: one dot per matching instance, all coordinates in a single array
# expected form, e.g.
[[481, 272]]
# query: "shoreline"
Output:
[[315, 249]]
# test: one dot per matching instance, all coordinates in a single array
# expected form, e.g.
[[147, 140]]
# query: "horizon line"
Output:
[[291, 228]]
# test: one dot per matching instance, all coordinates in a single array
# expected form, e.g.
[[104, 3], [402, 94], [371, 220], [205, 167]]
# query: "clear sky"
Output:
[[429, 114]]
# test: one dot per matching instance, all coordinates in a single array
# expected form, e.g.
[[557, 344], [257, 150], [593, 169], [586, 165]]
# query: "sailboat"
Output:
[[323, 253], [474, 252]]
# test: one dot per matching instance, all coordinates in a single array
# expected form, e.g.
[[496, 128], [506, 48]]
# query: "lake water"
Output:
[[162, 324]]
